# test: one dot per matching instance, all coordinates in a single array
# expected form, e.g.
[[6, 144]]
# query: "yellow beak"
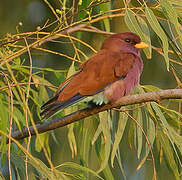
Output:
[[141, 45]]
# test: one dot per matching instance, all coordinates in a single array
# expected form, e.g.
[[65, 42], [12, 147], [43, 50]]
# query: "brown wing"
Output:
[[94, 75], [99, 71]]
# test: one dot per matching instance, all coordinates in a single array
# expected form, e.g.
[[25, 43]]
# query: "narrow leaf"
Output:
[[169, 155], [69, 110], [139, 133], [104, 120], [171, 14], [72, 165], [104, 7], [108, 173], [119, 134], [167, 130], [159, 31]]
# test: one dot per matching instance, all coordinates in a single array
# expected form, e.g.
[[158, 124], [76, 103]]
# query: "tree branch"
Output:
[[156, 96]]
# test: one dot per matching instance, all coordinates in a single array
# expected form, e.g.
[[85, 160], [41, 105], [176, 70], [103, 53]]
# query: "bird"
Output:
[[113, 72]]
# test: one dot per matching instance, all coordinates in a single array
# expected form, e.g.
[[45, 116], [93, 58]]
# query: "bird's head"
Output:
[[125, 42]]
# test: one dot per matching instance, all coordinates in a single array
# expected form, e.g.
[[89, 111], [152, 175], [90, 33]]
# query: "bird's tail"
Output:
[[52, 106]]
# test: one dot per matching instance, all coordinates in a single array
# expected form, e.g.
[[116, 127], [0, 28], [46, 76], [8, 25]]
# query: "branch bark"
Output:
[[156, 96]]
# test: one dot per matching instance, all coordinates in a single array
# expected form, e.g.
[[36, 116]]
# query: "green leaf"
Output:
[[171, 14], [177, 3], [167, 149], [44, 81], [108, 173], [104, 7], [132, 134], [17, 61], [43, 137], [18, 117], [85, 144], [105, 125], [135, 114], [159, 31], [1, 176], [150, 131], [69, 110], [71, 70], [71, 139], [4, 123], [118, 136], [19, 163], [168, 132], [72, 165], [97, 133], [140, 29], [139, 132], [44, 171], [59, 77], [150, 88], [145, 36]]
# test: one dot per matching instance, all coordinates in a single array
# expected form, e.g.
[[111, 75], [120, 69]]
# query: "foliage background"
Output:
[[88, 149]]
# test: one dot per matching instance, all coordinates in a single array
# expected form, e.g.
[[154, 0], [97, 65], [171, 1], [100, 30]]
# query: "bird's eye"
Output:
[[127, 40]]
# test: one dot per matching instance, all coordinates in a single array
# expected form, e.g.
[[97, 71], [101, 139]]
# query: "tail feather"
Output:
[[53, 106], [49, 102], [52, 100]]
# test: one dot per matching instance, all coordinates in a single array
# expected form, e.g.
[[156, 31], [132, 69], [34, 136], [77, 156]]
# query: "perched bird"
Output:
[[114, 71]]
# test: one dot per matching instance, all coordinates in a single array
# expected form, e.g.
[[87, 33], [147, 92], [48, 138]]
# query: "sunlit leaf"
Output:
[[150, 88], [168, 152], [167, 130], [4, 123], [60, 77], [44, 81], [150, 131], [108, 173], [97, 133], [69, 110], [18, 117], [132, 134], [105, 125], [19, 163], [72, 165], [72, 140], [159, 31], [85, 144], [171, 14], [104, 7], [135, 138], [44, 171], [42, 138], [118, 136], [139, 132]]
